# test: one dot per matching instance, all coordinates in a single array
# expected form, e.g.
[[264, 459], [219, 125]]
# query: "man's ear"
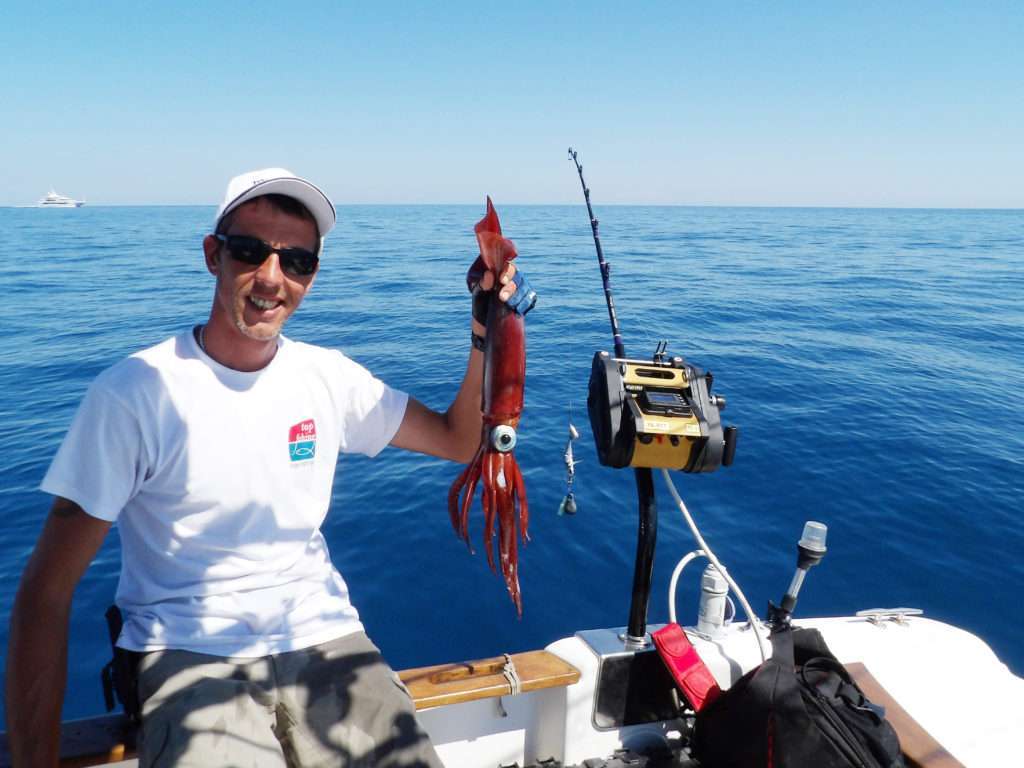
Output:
[[211, 250]]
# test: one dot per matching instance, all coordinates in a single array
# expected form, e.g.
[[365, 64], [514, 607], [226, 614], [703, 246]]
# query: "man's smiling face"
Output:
[[259, 299]]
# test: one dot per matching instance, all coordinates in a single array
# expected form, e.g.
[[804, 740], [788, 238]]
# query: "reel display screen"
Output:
[[667, 403]]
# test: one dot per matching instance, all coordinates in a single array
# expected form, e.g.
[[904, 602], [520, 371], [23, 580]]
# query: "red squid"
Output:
[[504, 493]]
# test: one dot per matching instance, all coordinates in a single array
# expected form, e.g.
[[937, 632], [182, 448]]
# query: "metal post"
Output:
[[647, 536]]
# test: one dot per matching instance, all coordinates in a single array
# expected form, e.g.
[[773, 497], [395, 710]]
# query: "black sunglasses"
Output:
[[253, 251]]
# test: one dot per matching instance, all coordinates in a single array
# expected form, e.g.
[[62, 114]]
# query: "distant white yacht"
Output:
[[53, 200]]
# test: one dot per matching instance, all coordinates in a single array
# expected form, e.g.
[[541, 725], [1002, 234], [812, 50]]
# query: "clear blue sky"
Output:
[[860, 103]]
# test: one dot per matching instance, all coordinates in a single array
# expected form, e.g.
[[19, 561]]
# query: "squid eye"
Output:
[[503, 438]]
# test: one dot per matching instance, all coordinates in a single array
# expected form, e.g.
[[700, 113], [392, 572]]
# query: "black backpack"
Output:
[[799, 709]]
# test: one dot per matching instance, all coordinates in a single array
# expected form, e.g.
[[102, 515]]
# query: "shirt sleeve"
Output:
[[101, 464], [373, 411]]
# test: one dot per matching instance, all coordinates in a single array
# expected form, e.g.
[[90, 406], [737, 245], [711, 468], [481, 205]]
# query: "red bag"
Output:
[[693, 678]]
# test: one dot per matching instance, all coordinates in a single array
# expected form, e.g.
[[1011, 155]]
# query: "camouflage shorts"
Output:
[[336, 704]]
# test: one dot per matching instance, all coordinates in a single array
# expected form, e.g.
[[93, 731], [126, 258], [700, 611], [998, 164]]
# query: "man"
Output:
[[215, 452]]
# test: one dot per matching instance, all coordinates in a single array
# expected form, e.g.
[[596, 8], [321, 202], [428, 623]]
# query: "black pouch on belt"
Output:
[[120, 675]]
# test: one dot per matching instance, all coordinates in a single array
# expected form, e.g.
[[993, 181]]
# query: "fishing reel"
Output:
[[658, 414]]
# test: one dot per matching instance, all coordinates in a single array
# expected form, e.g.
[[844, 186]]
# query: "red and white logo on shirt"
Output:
[[302, 441]]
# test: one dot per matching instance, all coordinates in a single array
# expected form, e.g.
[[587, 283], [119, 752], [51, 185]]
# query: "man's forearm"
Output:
[[454, 434], [36, 676], [37, 651], [464, 416]]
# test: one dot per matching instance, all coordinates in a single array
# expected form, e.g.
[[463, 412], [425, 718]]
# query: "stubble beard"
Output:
[[256, 333], [259, 332]]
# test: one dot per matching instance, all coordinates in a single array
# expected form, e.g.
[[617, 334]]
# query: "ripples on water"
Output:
[[872, 359]]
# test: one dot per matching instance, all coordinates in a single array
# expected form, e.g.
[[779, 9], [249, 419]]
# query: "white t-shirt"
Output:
[[219, 480]]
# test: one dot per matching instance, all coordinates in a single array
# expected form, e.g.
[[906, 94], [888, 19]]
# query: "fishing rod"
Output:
[[647, 530], [620, 350], [650, 414]]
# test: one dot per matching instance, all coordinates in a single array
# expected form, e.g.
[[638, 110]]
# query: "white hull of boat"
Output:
[[946, 679], [55, 200]]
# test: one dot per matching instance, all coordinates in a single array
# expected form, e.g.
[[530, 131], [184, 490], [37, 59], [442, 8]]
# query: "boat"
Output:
[[598, 699], [54, 200]]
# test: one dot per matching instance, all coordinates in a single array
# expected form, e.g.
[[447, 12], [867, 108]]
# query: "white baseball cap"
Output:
[[278, 181]]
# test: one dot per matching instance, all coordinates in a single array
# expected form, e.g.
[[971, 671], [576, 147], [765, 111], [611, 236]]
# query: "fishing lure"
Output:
[[568, 505]]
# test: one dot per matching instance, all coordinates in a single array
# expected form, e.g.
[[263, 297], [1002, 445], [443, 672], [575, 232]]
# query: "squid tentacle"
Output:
[[467, 502], [510, 560], [471, 471], [490, 503], [524, 509]]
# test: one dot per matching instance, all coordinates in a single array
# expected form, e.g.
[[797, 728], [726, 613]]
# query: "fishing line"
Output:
[[569, 505]]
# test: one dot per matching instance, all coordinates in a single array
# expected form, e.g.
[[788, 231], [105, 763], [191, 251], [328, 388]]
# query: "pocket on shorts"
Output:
[[401, 686]]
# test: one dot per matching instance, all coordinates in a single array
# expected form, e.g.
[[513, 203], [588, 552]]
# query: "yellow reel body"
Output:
[[657, 413]]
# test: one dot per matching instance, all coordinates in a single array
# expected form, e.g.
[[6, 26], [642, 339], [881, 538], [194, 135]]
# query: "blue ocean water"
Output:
[[873, 360]]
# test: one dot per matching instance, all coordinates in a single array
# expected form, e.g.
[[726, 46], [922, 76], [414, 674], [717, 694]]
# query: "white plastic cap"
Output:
[[713, 581], [814, 536]]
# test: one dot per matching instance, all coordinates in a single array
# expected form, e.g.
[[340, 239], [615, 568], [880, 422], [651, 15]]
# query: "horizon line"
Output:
[[824, 206]]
